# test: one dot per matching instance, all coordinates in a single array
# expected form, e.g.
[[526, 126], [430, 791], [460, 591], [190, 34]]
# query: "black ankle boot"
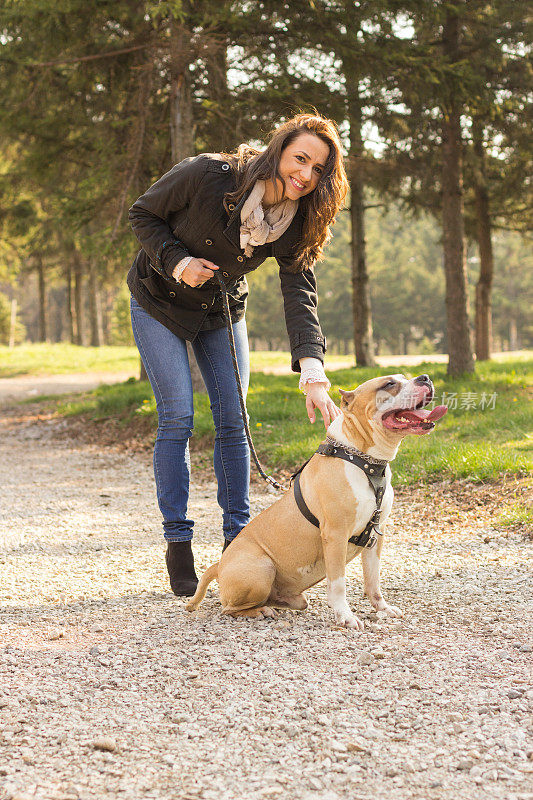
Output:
[[180, 565]]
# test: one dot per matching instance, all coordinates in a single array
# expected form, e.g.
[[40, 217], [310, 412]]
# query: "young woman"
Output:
[[228, 213]]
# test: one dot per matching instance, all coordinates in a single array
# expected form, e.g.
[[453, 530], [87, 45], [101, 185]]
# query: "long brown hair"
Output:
[[319, 206]]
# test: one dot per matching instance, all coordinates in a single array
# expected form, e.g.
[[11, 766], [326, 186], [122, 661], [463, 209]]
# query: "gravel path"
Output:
[[108, 688]]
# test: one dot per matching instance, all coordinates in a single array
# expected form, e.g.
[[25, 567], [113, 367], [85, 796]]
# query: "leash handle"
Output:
[[227, 316]]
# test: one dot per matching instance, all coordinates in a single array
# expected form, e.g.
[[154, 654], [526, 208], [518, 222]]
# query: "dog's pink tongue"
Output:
[[437, 413], [425, 415]]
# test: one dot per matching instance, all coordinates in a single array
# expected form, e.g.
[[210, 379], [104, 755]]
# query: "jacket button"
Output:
[[231, 207], [204, 305], [226, 274], [240, 258], [172, 294], [225, 167], [208, 241]]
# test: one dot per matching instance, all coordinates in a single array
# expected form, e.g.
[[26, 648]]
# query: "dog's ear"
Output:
[[346, 397]]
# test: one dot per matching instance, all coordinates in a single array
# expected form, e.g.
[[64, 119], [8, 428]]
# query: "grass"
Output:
[[486, 433], [517, 515], [63, 358]]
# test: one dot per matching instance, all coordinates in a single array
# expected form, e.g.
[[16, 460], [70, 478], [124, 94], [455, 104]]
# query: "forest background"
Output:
[[432, 252]]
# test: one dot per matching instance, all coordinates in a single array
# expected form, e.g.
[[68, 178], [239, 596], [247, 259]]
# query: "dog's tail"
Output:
[[208, 576]]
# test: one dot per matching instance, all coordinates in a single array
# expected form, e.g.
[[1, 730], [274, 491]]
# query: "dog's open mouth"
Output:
[[415, 420]]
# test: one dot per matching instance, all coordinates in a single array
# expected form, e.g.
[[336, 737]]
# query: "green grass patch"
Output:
[[121, 401], [63, 358], [487, 431], [517, 515]]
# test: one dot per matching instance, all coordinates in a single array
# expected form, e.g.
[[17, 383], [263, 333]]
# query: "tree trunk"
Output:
[[70, 310], [43, 311], [182, 130], [362, 313], [484, 239], [13, 323], [95, 310], [78, 304], [513, 334], [459, 343], [401, 344], [181, 116], [220, 121]]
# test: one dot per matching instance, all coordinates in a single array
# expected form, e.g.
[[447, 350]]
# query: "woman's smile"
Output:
[[300, 186]]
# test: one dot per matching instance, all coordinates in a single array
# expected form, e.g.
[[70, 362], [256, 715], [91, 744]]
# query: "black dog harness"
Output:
[[374, 471]]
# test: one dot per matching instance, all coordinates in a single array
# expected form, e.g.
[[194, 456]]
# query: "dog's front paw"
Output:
[[390, 611], [347, 619]]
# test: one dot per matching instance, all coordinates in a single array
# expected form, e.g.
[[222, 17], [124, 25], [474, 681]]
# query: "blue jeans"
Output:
[[167, 364]]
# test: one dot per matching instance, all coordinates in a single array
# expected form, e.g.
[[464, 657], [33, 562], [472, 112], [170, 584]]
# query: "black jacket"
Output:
[[183, 214]]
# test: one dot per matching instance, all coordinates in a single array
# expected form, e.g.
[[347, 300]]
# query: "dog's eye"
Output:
[[388, 384]]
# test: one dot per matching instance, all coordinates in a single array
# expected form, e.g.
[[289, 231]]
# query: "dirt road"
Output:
[[108, 688]]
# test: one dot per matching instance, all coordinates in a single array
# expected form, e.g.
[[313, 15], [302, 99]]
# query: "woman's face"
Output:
[[301, 164]]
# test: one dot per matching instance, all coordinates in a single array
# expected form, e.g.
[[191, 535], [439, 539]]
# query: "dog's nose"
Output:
[[424, 379]]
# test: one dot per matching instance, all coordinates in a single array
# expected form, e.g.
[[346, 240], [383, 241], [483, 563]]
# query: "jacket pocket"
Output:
[[157, 289]]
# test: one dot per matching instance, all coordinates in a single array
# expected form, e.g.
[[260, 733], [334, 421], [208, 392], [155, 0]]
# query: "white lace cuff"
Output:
[[313, 375], [180, 266]]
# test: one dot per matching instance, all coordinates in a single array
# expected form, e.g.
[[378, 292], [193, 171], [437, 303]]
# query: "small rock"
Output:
[[353, 771], [453, 716], [513, 694], [356, 747], [53, 636], [464, 763], [105, 743], [526, 648], [378, 652], [505, 654], [365, 658], [339, 747]]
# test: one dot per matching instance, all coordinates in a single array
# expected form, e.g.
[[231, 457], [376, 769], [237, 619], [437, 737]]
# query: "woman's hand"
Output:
[[197, 272], [317, 397]]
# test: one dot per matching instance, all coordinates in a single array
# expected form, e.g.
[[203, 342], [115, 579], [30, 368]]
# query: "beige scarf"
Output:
[[259, 226]]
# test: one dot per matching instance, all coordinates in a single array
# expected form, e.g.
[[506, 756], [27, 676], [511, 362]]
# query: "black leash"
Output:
[[227, 317], [376, 477]]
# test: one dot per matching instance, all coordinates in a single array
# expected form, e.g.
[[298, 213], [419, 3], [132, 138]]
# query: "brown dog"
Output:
[[281, 553]]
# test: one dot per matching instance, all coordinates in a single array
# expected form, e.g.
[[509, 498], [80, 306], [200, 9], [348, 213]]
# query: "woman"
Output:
[[228, 213]]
